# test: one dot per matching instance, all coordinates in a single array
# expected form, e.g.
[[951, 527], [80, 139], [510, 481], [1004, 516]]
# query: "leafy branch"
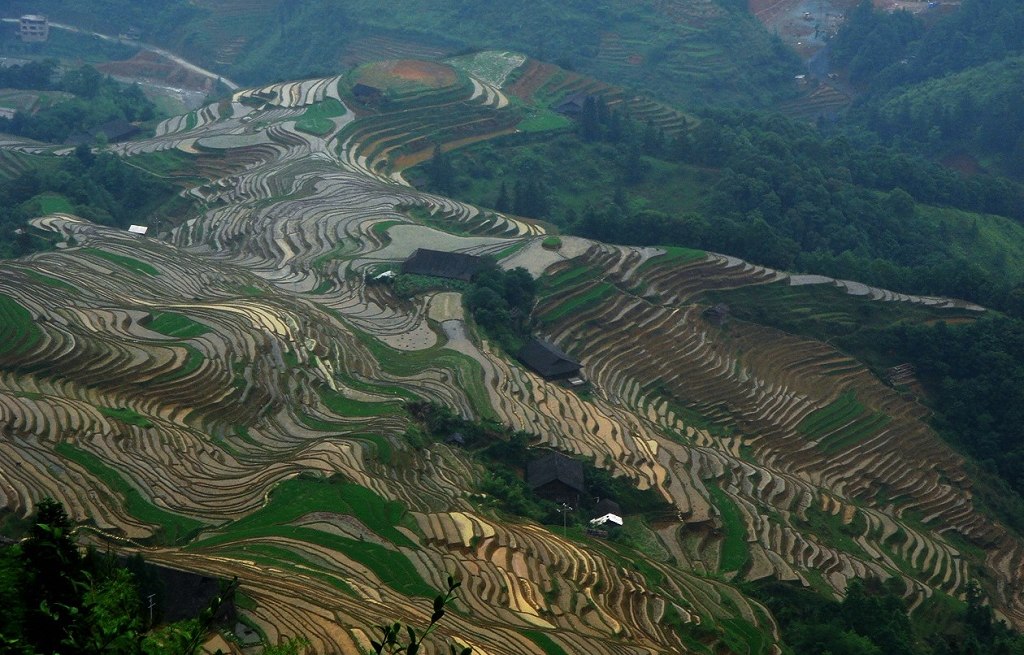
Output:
[[391, 635]]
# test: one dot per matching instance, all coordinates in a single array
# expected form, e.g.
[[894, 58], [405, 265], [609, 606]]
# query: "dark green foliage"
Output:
[[873, 620], [953, 88], [98, 100], [53, 580], [33, 75], [391, 637], [101, 188], [501, 302], [440, 172], [748, 64], [776, 193], [974, 374], [58, 599]]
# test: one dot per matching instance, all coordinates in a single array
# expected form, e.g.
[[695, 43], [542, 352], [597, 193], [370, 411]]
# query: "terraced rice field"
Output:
[[227, 398]]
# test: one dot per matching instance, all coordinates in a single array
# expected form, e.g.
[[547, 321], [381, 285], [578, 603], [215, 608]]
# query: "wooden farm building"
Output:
[[548, 361], [451, 265], [572, 106], [556, 477], [112, 131]]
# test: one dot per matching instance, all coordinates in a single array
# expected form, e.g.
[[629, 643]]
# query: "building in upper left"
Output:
[[33, 28]]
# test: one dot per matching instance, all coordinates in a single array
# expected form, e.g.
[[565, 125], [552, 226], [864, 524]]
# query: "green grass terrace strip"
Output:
[[734, 547], [545, 642], [742, 637], [842, 423], [193, 361], [317, 119], [567, 278], [48, 281], [174, 528], [126, 415], [854, 433], [821, 421], [392, 567], [50, 203], [131, 264], [176, 325], [299, 496], [343, 406], [385, 452], [674, 256], [269, 555], [18, 332], [468, 371], [543, 121], [594, 295]]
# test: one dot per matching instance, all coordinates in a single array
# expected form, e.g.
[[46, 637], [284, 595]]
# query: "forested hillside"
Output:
[[948, 90], [693, 51]]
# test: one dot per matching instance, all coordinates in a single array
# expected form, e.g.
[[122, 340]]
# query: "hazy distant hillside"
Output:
[[949, 88], [681, 50]]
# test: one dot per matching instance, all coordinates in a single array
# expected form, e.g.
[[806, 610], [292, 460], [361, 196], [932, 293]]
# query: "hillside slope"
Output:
[[695, 51], [239, 382]]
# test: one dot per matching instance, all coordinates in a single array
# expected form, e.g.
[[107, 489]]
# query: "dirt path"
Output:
[[146, 46]]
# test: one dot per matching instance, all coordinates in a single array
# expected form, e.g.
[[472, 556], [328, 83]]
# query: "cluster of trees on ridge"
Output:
[[872, 620], [97, 99], [101, 188]]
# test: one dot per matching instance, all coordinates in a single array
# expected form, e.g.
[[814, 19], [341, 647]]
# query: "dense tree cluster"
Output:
[[954, 87], [101, 188], [501, 302], [98, 99], [58, 599], [975, 376], [872, 620]]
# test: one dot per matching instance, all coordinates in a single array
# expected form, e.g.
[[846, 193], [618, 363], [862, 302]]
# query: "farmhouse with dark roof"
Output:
[[547, 360], [556, 477], [451, 265], [572, 106]]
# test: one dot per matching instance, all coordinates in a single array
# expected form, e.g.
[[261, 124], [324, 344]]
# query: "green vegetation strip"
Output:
[[593, 295], [193, 361], [343, 406], [567, 278], [545, 642], [175, 528], [131, 264], [317, 119], [734, 546], [126, 415], [18, 332], [674, 255], [50, 203], [176, 325], [543, 121], [297, 497], [842, 423], [49, 281], [468, 371], [270, 555]]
